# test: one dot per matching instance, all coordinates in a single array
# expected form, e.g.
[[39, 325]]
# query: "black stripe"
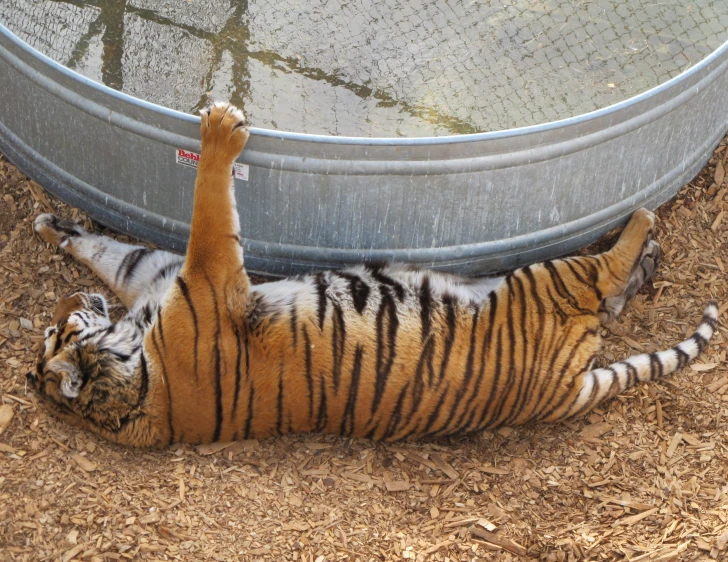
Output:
[[376, 272], [69, 335], [321, 286], [419, 383], [492, 308], [523, 377], [496, 378], [124, 357], [169, 390], [359, 290], [57, 344], [593, 396], [218, 374], [338, 341], [699, 340], [323, 413], [549, 374], [132, 261], [348, 420], [536, 361], [186, 294], [58, 225], [425, 306], [396, 415], [632, 376], [604, 260], [436, 412], [144, 385], [249, 417], [166, 270], [159, 325], [308, 373], [465, 383], [238, 358], [510, 379], [387, 314], [294, 324], [279, 405], [591, 271], [574, 272], [450, 319], [564, 370], [562, 289], [656, 368], [682, 357]]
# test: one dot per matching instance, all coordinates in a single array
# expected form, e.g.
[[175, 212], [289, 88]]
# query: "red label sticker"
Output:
[[192, 160]]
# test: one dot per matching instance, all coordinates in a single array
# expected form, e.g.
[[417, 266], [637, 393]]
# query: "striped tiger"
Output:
[[385, 352]]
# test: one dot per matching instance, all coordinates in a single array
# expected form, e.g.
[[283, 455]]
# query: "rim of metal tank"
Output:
[[374, 141]]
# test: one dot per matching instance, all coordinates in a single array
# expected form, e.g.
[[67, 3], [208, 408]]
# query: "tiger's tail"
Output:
[[600, 384]]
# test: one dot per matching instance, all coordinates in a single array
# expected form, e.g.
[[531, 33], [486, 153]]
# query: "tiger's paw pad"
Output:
[[56, 231], [224, 130]]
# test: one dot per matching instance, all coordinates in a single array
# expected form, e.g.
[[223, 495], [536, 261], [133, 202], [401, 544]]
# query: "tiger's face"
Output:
[[75, 376]]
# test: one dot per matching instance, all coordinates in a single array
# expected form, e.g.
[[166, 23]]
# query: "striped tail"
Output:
[[600, 384]]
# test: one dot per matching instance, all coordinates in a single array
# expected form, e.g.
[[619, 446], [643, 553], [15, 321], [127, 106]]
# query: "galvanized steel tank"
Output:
[[473, 203]]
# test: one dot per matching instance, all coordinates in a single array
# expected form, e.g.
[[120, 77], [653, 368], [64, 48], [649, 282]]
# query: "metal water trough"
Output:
[[471, 203]]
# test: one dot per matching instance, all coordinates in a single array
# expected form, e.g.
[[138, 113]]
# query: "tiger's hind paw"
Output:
[[644, 268], [57, 231], [224, 131]]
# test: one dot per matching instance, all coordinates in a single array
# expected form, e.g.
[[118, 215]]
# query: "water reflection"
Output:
[[377, 67]]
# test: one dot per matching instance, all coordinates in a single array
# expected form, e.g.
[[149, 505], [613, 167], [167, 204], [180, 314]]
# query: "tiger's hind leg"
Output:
[[129, 271], [628, 265]]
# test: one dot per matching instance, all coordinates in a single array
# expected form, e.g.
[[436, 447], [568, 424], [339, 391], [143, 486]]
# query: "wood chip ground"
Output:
[[644, 478]]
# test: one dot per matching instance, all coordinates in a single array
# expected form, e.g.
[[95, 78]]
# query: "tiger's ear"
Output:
[[68, 376]]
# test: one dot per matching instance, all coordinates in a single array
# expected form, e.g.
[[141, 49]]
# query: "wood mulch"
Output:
[[644, 478]]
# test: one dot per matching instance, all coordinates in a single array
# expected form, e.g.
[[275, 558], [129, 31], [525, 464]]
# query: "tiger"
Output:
[[387, 352]]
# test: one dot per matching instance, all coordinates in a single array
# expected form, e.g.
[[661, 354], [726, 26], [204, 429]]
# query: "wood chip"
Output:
[[487, 525], [493, 470], [596, 430], [497, 540], [636, 518], [449, 471], [70, 554], [717, 221], [212, 448], [84, 463], [719, 174], [398, 486], [6, 416], [676, 440], [701, 367], [721, 543]]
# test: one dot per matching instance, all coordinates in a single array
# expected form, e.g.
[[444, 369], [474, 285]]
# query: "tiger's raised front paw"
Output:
[[224, 131], [56, 231]]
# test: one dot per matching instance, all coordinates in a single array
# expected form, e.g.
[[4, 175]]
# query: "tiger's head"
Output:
[[82, 374]]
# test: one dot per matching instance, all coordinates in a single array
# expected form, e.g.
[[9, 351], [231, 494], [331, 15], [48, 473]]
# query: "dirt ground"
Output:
[[644, 478]]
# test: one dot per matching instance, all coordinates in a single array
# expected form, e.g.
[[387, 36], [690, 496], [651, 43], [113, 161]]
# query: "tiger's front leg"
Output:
[[134, 273], [215, 253]]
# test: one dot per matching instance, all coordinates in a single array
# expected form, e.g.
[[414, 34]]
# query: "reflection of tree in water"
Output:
[[234, 37]]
